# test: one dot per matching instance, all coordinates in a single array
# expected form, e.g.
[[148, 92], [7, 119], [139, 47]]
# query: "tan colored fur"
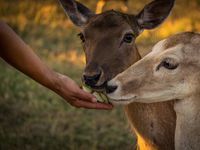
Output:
[[147, 81]]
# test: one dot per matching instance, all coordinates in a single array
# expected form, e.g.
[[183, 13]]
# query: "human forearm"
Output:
[[15, 52]]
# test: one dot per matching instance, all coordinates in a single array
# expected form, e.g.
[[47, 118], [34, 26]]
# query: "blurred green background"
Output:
[[34, 118]]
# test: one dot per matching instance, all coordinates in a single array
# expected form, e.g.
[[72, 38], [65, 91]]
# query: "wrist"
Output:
[[55, 84]]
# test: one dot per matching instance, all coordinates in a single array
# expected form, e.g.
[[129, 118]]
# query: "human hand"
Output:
[[71, 92]]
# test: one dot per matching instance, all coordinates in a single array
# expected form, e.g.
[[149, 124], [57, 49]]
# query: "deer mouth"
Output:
[[99, 88], [122, 101]]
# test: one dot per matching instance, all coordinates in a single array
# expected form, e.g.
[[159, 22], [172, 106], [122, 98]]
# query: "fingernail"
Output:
[[94, 100]]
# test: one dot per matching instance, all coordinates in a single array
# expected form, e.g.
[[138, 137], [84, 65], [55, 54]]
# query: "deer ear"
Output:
[[77, 12], [154, 13]]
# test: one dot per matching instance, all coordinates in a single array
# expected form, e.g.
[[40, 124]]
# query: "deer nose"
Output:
[[91, 80], [111, 88]]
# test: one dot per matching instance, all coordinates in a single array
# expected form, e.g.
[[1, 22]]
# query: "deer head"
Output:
[[170, 71], [108, 38]]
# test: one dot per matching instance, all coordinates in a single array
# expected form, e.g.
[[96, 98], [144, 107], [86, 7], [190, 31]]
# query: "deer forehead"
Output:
[[162, 48], [190, 43], [108, 18], [184, 47], [180, 45], [110, 22]]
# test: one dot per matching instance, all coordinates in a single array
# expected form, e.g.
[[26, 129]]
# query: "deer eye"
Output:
[[81, 36], [128, 37], [168, 63]]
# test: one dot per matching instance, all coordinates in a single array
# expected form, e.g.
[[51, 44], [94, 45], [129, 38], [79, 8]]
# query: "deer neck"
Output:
[[154, 124], [187, 135]]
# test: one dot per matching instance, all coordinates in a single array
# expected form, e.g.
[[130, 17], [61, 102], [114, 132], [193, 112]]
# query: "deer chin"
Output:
[[122, 100]]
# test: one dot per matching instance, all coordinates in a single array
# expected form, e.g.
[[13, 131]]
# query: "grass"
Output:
[[34, 118]]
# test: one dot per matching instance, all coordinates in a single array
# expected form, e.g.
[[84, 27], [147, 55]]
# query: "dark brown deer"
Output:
[[109, 44]]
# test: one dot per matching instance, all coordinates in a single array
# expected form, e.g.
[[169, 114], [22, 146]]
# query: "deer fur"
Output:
[[171, 71], [108, 41]]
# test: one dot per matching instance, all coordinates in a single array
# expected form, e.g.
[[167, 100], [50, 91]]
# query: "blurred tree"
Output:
[[101, 4]]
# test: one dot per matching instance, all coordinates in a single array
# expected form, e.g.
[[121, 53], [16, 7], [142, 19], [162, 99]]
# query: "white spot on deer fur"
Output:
[[159, 46], [195, 40]]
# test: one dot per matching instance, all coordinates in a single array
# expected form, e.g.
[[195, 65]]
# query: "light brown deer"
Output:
[[171, 71], [109, 44]]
